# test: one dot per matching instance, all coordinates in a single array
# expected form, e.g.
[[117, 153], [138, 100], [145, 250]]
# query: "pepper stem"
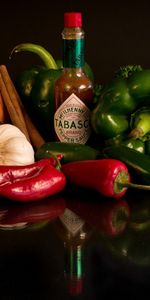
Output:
[[57, 160], [136, 133], [46, 57], [134, 185]]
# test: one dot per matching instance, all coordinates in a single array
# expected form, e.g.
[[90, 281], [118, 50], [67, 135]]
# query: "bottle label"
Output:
[[71, 221], [73, 51], [72, 121]]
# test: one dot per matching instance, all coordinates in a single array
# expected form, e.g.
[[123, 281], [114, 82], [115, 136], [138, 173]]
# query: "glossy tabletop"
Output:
[[75, 245]]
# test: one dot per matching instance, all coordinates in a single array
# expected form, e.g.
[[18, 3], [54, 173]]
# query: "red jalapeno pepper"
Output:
[[102, 175], [32, 182], [108, 176]]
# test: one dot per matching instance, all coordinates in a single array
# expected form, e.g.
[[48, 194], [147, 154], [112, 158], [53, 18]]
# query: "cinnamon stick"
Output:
[[11, 109], [4, 116], [35, 137], [10, 103], [16, 110]]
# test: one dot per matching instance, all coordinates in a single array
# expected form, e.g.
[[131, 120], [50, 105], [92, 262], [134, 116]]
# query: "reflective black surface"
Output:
[[76, 245]]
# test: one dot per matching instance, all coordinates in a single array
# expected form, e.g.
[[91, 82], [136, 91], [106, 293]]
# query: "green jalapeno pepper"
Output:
[[36, 87], [68, 152], [136, 144], [119, 99]]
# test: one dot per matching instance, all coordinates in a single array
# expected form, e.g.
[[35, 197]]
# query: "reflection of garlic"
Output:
[[14, 146], [17, 226]]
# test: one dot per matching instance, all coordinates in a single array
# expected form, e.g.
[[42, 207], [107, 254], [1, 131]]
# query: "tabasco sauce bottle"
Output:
[[73, 89]]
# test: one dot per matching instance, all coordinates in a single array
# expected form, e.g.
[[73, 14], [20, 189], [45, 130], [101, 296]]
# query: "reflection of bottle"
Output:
[[73, 90], [74, 232]]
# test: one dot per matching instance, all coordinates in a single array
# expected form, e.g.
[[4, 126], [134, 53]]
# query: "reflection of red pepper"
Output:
[[103, 175], [33, 182], [111, 218], [32, 212]]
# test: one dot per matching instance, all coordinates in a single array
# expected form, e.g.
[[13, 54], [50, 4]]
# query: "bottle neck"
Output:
[[73, 48]]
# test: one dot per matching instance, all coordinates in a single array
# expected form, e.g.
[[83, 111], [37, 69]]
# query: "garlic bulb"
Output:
[[15, 149]]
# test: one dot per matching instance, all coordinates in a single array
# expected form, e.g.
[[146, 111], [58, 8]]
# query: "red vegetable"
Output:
[[33, 182], [106, 176], [9, 173]]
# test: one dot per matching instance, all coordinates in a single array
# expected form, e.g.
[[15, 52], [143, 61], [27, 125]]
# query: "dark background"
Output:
[[117, 32]]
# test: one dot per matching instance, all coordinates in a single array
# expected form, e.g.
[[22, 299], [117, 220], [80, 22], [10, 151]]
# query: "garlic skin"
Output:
[[15, 149]]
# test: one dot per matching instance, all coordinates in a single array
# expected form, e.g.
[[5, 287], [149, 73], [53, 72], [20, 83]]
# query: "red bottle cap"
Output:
[[72, 19]]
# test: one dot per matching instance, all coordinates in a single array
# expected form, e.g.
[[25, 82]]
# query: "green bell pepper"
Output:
[[36, 87], [118, 100], [140, 124]]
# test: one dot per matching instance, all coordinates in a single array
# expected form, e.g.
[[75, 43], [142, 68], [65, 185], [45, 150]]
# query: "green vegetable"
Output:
[[119, 99], [140, 122], [137, 144], [138, 163], [125, 72], [147, 147], [70, 152], [36, 87]]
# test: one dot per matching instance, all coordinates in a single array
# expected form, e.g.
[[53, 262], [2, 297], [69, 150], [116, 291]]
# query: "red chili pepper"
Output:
[[106, 176], [8, 173], [33, 182]]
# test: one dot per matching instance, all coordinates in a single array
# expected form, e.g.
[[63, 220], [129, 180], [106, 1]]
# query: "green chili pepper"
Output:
[[69, 152], [36, 87], [119, 99], [137, 144], [137, 162]]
